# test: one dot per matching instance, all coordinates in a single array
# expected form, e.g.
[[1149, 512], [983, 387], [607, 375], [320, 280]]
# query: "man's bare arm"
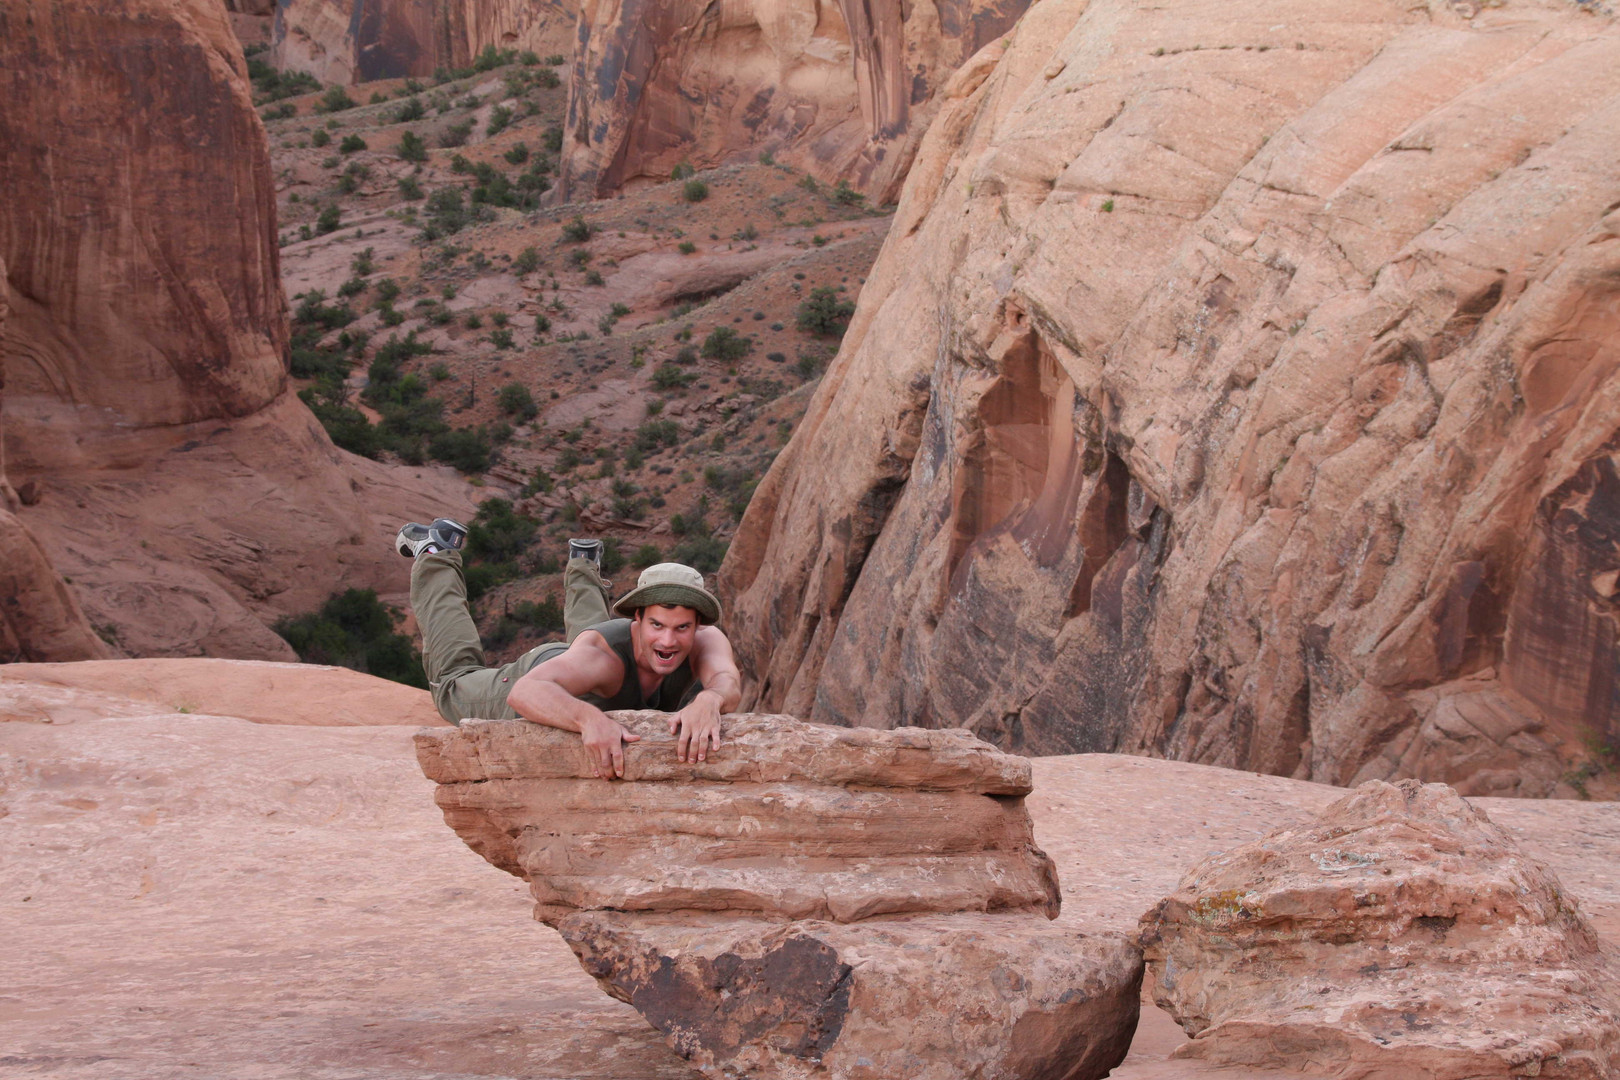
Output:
[[549, 694], [699, 723]]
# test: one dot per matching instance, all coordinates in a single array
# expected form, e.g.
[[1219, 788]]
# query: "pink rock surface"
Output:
[[1235, 385], [213, 897], [1402, 931]]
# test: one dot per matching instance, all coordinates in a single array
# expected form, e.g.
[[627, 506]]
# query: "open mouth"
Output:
[[665, 655]]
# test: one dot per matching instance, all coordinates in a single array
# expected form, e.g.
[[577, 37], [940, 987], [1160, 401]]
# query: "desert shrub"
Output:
[[702, 552], [446, 213], [320, 137], [845, 195], [409, 189], [647, 555], [501, 339], [517, 154], [578, 230], [655, 434], [593, 277], [330, 219], [686, 247], [492, 58], [499, 117], [670, 377], [272, 85], [553, 138], [725, 344], [336, 99], [498, 533], [527, 261], [824, 313], [351, 144], [410, 110], [387, 291], [455, 135], [412, 147], [469, 449], [694, 191], [547, 79], [516, 401], [353, 629]]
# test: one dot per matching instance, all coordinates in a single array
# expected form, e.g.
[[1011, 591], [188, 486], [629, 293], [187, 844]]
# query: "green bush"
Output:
[[578, 230], [846, 195], [694, 191], [330, 220], [824, 313], [646, 555], [455, 135], [410, 110], [320, 137], [355, 630], [547, 79], [334, 100], [350, 144], [516, 401], [412, 147], [409, 189], [499, 117], [469, 449], [701, 552], [553, 138], [725, 344], [527, 261], [517, 154], [670, 377], [498, 534], [686, 247]]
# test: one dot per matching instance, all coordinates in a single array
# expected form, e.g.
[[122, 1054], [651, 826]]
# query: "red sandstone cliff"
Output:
[[347, 41], [1234, 386], [179, 488], [841, 90]]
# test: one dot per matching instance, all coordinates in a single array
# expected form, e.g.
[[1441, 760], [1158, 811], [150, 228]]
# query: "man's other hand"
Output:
[[604, 741], [699, 728]]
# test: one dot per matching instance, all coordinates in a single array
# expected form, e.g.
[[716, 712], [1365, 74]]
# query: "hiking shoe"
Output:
[[586, 549], [412, 538], [445, 534], [448, 533]]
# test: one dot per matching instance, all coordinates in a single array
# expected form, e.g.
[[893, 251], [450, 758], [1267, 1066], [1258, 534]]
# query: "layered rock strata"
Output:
[[1404, 933], [842, 90], [793, 905], [1234, 387], [350, 41]]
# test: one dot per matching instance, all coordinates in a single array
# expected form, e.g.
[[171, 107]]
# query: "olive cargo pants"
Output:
[[463, 685]]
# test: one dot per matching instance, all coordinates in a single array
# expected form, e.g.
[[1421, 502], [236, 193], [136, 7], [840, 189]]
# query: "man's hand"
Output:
[[699, 727], [604, 739]]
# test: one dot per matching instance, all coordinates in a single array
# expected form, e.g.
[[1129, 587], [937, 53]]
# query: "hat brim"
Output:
[[674, 595]]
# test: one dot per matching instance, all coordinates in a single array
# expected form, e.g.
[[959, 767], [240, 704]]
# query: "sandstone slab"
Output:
[[789, 820], [935, 997], [1401, 932]]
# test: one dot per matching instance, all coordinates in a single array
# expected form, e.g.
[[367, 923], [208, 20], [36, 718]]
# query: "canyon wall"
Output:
[[1235, 386], [185, 496], [842, 90], [351, 41]]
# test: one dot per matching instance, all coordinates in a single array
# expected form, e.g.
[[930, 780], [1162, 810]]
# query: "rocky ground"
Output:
[[201, 895], [625, 368]]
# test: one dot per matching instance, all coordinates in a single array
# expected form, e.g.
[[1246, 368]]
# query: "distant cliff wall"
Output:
[[349, 41], [1233, 386], [842, 90]]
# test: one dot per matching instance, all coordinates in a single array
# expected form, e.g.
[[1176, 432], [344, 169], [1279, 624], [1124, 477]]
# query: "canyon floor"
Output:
[[634, 363], [236, 870]]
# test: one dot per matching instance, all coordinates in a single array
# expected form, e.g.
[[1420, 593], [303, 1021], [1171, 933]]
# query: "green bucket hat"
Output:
[[674, 584]]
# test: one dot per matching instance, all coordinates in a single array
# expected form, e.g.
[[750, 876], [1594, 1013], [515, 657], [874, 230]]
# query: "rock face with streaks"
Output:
[[351, 41], [40, 620], [809, 902], [1401, 933], [161, 462], [1234, 387], [842, 90]]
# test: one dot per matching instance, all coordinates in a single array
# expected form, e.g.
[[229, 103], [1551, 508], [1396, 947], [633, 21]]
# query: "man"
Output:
[[665, 652]]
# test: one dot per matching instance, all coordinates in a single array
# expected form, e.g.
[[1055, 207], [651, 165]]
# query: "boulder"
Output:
[[808, 902], [1231, 387], [1402, 933], [843, 91], [939, 997]]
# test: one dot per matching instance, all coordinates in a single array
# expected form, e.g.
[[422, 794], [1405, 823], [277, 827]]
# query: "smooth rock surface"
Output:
[[786, 821], [1235, 385], [296, 907], [937, 997], [1401, 932]]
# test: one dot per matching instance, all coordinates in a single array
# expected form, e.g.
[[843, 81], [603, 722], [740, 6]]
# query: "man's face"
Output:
[[663, 636]]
